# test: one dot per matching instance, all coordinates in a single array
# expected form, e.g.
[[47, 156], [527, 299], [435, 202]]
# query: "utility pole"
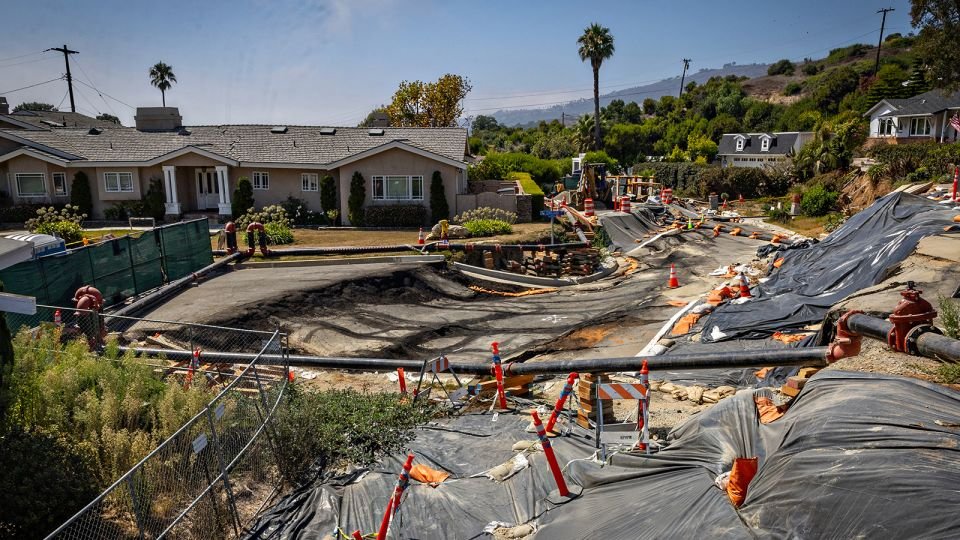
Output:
[[66, 58], [563, 119], [686, 64], [883, 22]]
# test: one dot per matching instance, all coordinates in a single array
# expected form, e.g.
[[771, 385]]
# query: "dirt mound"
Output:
[[861, 191]]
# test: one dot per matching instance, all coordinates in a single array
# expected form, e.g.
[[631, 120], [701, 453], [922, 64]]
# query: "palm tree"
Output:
[[596, 44], [161, 76], [582, 131]]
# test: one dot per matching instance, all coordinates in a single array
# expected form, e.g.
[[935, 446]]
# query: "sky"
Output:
[[329, 62]]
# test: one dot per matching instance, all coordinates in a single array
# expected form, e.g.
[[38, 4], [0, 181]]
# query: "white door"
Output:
[[208, 189]]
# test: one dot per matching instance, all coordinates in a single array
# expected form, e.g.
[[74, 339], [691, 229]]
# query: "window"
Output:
[[919, 126], [31, 185], [59, 183], [398, 188], [887, 127], [764, 144], [739, 144], [261, 180], [118, 182], [309, 182]]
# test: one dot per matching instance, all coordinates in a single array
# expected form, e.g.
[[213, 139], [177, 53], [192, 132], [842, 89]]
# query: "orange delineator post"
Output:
[[956, 180], [57, 318], [642, 406], [420, 239], [356, 535], [394, 504], [558, 406], [551, 459], [194, 364], [498, 373], [402, 379]]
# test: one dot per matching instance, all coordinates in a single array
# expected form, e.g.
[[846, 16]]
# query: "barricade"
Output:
[[636, 433], [435, 367], [588, 207], [625, 204]]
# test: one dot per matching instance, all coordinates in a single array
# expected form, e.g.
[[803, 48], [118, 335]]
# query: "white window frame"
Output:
[[381, 194], [63, 179], [913, 124], [309, 182], [117, 176], [740, 142], [260, 180], [888, 127], [43, 178], [765, 144]]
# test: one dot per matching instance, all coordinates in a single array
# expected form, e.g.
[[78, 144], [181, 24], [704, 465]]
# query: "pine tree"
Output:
[[242, 197], [328, 193], [80, 194], [358, 195], [439, 209]]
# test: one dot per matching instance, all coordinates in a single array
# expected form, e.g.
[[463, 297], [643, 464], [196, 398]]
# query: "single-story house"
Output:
[[925, 117], [760, 149], [199, 166]]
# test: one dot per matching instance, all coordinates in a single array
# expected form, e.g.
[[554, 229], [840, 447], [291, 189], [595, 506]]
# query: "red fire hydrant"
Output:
[[911, 312]]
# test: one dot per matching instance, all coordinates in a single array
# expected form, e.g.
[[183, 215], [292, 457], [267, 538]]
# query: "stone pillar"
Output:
[[224, 206], [172, 204]]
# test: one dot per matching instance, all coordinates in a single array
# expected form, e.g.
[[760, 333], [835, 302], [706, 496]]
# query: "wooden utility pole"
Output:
[[686, 64], [66, 58], [883, 22]]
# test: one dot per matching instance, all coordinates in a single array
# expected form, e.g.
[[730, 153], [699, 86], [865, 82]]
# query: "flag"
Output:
[[955, 122]]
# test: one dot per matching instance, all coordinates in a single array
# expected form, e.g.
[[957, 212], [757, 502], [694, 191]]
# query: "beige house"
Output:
[[199, 166]]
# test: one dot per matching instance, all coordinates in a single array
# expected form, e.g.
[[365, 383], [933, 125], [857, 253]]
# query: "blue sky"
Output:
[[332, 61]]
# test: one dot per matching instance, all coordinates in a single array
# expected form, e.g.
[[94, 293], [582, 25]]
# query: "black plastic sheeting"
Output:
[[856, 456], [856, 256], [625, 230]]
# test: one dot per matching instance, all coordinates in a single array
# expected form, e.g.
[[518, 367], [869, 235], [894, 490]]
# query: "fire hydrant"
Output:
[[912, 312]]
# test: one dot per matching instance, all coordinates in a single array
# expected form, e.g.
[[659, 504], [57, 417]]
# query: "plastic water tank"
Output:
[[43, 244]]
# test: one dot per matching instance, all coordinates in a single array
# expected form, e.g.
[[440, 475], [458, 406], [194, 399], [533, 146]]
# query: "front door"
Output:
[[208, 189]]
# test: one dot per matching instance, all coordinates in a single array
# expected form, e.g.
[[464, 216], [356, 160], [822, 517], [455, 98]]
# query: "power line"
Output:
[[573, 91], [66, 59], [62, 100], [31, 86], [21, 56], [106, 94], [34, 61], [686, 66], [105, 102], [883, 22]]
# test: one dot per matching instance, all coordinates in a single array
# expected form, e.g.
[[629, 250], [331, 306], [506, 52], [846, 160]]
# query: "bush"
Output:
[[487, 227], [496, 166], [242, 197], [439, 209], [949, 315], [64, 223], [792, 89], [276, 223], [396, 215], [154, 201], [358, 195], [328, 193], [844, 53], [317, 431], [299, 214], [485, 212], [530, 187], [278, 234], [818, 201], [80, 195], [779, 215], [834, 221], [781, 67], [810, 69], [21, 212]]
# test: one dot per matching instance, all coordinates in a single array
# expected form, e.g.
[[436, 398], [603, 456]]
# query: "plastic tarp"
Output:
[[856, 456], [626, 229], [856, 256]]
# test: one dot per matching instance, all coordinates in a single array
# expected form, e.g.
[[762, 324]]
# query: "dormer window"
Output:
[[740, 144], [764, 144]]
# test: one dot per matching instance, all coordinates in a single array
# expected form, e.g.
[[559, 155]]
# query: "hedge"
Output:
[[530, 187], [682, 176], [399, 215]]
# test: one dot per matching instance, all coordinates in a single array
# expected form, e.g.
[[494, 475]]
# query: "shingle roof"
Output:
[[246, 143], [781, 144], [930, 102], [56, 119]]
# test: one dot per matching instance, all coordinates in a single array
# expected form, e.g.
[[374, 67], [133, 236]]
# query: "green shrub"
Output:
[[19, 213], [154, 201], [358, 195], [834, 221], [488, 227], [844, 53], [948, 373], [300, 214], [396, 215], [601, 239], [80, 195], [781, 67], [439, 209], [949, 315], [242, 197], [328, 193], [278, 234], [318, 431], [485, 212], [779, 215], [810, 69], [276, 223], [530, 187], [64, 223], [792, 89], [818, 201], [496, 166]]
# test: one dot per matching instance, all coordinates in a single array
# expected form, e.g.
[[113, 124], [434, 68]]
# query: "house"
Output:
[[199, 166], [925, 117], [760, 149]]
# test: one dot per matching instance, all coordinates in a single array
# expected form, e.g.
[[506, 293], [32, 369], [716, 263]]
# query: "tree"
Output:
[[34, 106], [939, 40], [581, 130], [781, 67], [436, 104], [162, 77], [242, 200], [699, 145], [358, 195], [376, 118], [109, 118], [485, 123], [80, 194], [649, 106], [328, 193], [153, 200], [439, 209], [596, 45]]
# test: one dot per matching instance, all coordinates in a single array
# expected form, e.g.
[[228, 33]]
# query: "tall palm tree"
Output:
[[161, 76], [596, 45]]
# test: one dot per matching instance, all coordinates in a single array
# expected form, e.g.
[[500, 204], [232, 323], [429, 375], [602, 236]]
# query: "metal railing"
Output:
[[213, 475]]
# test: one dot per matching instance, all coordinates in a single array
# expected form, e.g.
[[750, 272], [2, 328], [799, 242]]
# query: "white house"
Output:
[[926, 117], [760, 149]]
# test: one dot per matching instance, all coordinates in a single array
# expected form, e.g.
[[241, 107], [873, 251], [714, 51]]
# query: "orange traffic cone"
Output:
[[740, 199], [744, 287], [420, 240], [673, 283]]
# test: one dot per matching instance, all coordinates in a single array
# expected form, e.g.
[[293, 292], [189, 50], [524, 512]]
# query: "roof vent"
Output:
[[51, 123], [94, 131], [278, 129], [328, 131], [375, 132], [184, 131]]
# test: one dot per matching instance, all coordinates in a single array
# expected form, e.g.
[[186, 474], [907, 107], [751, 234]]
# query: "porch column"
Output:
[[226, 209], [172, 204]]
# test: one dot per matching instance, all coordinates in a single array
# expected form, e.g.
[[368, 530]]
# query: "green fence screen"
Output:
[[119, 268]]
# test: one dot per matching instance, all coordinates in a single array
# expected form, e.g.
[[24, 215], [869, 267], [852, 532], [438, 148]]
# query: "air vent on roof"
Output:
[[278, 129], [375, 132], [184, 131], [328, 131], [94, 131]]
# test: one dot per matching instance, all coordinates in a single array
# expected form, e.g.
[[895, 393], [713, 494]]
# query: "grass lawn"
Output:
[[807, 226]]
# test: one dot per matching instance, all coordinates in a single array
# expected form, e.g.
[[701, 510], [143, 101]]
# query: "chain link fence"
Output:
[[215, 473]]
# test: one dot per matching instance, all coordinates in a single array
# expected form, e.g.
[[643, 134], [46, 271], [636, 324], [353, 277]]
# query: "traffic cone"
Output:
[[740, 200], [420, 240], [689, 223], [744, 287], [674, 282]]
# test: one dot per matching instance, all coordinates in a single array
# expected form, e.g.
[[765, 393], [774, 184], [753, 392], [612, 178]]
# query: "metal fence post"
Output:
[[134, 504], [223, 472]]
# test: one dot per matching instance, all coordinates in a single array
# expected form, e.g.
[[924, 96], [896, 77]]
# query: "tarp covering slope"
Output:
[[856, 256], [856, 456], [625, 230]]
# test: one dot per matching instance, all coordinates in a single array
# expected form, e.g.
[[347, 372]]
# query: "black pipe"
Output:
[[349, 250], [803, 356], [174, 286], [929, 344]]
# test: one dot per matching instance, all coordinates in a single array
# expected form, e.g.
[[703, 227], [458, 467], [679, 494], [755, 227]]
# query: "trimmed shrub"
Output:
[[496, 166], [487, 227], [399, 215], [21, 212], [328, 193], [242, 200], [154, 200], [80, 195], [358, 195], [818, 201], [485, 212], [439, 209], [530, 187], [299, 214]]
